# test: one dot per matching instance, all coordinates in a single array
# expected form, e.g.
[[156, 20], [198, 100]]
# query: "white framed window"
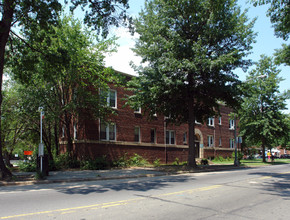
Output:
[[170, 137], [153, 136], [185, 138], [137, 134], [210, 141], [63, 131], [220, 120], [232, 124], [220, 141], [108, 131], [109, 97], [232, 143], [210, 121], [137, 110], [75, 131]]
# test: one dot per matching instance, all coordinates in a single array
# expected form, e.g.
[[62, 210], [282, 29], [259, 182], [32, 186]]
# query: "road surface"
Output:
[[257, 193]]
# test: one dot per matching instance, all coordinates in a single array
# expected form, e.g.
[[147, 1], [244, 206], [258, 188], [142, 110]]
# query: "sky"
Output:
[[266, 43]]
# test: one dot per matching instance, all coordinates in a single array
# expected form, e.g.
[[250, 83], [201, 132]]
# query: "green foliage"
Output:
[[190, 50], [103, 14], [176, 161], [134, 161], [279, 13], [96, 164], [283, 55], [261, 118], [27, 166], [156, 163], [137, 160], [240, 155], [204, 162], [123, 161]]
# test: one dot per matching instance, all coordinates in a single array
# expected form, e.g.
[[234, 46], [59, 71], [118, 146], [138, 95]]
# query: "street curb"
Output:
[[34, 182]]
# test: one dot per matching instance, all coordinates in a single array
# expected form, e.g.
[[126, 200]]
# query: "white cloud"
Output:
[[121, 59]]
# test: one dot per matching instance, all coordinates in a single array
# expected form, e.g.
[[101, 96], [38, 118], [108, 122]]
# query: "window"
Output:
[[185, 137], [109, 97], [75, 131], [153, 136], [232, 143], [210, 141], [170, 137], [137, 134], [220, 120], [108, 131], [137, 110], [210, 121], [232, 124], [220, 141], [63, 131]]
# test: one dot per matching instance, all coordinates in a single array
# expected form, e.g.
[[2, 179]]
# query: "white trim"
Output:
[[170, 132], [107, 132], [210, 121], [210, 141]]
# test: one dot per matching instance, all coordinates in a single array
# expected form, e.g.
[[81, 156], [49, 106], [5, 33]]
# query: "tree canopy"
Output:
[[190, 49], [30, 16], [261, 119]]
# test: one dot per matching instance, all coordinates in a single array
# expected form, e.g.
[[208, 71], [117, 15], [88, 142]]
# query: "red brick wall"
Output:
[[126, 120]]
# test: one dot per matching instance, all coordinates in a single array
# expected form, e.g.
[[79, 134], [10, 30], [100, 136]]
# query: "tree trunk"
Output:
[[5, 25], [191, 123], [263, 150], [68, 133], [56, 141]]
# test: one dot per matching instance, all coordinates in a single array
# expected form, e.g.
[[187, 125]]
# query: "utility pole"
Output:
[[236, 163], [41, 147]]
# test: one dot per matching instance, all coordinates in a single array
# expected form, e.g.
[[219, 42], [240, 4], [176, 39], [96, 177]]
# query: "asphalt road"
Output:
[[259, 193]]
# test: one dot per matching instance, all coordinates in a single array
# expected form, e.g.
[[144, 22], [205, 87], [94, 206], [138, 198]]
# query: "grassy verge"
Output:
[[254, 162]]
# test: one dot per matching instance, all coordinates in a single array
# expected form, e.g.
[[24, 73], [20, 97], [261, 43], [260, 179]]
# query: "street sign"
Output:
[[41, 150]]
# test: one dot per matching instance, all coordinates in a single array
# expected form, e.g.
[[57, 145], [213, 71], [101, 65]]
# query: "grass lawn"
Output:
[[253, 162]]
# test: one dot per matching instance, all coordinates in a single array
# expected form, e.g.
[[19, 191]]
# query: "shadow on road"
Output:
[[276, 184], [141, 185]]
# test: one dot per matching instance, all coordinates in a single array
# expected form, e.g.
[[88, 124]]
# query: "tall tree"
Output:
[[190, 49], [65, 77], [30, 14], [261, 117]]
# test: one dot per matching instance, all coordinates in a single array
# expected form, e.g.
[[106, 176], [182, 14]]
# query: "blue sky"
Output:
[[266, 43]]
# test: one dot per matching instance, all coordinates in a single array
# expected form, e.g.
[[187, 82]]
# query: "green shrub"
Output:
[[204, 162], [137, 161], [240, 155], [97, 164], [156, 163], [122, 161], [27, 166], [218, 159], [176, 162]]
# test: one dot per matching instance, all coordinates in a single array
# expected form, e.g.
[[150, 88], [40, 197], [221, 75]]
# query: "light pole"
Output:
[[41, 147], [236, 162], [262, 112]]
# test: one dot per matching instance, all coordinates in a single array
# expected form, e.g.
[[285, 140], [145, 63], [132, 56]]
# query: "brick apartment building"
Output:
[[131, 132]]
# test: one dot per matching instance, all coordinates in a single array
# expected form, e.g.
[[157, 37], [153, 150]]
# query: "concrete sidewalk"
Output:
[[27, 178]]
